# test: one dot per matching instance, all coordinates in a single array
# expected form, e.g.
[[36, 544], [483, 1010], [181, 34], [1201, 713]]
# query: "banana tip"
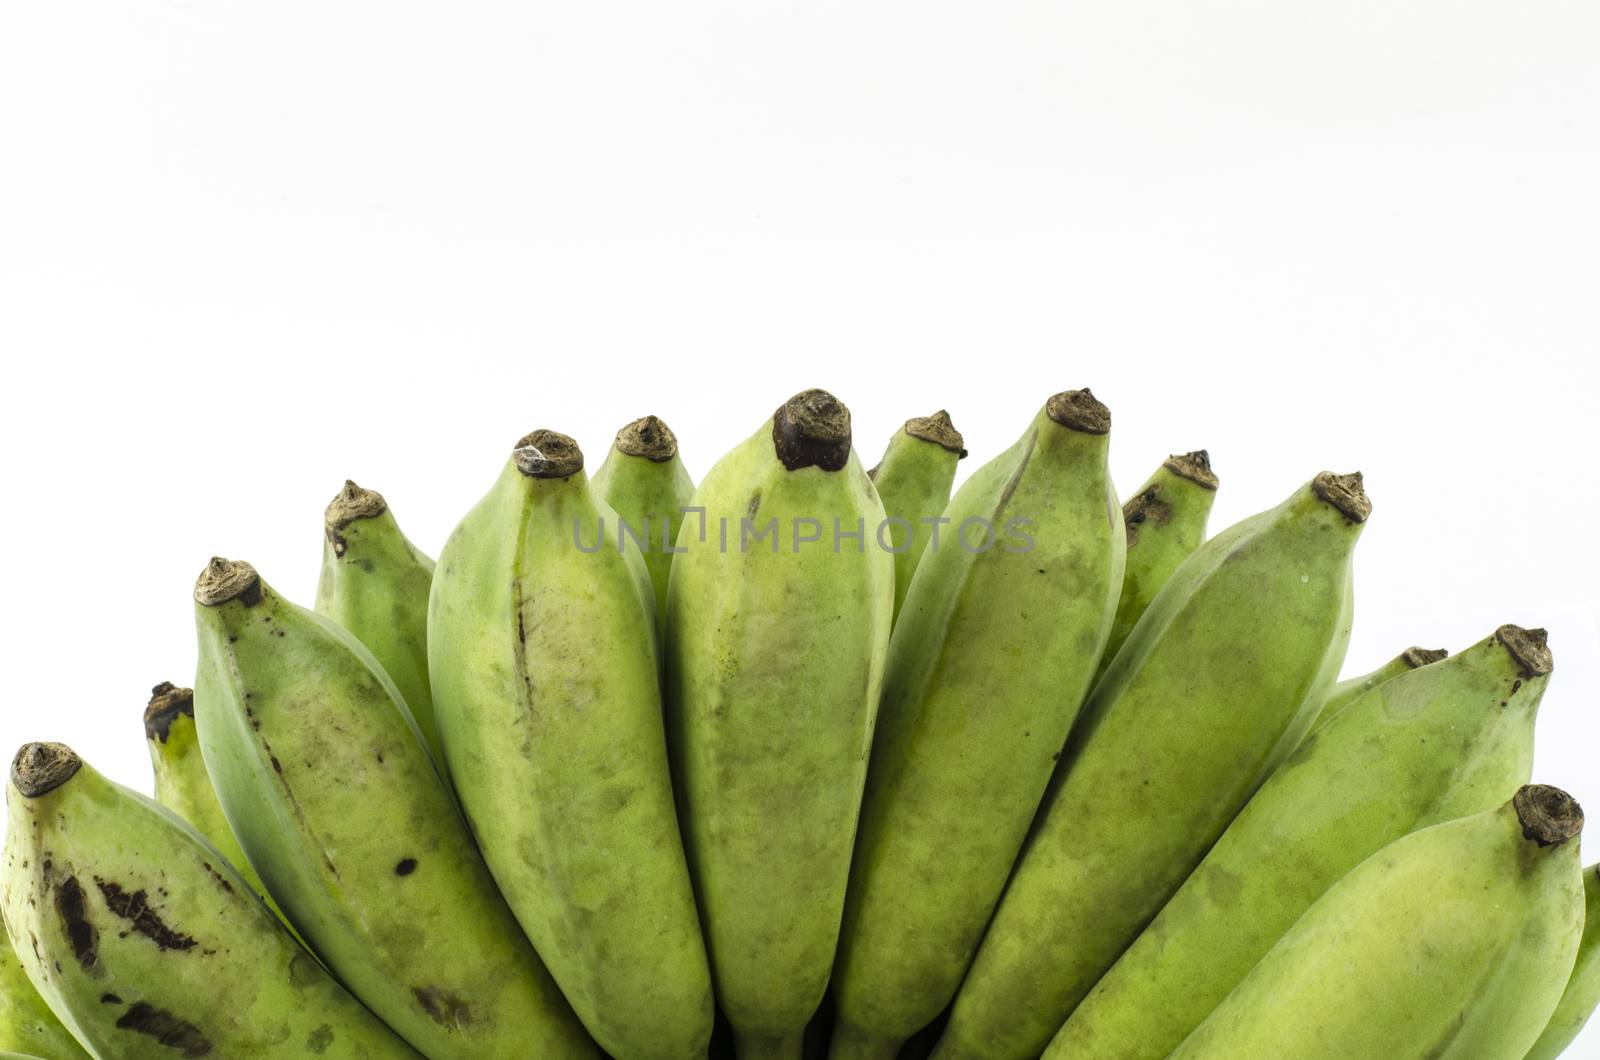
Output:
[[1195, 466], [939, 430], [40, 768], [1549, 815], [1079, 410], [547, 454], [1529, 647], [352, 503], [227, 579], [1417, 658], [812, 429], [648, 437], [1347, 493], [167, 701]]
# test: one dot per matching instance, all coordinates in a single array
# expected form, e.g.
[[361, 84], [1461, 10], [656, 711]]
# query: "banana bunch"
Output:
[[812, 761]]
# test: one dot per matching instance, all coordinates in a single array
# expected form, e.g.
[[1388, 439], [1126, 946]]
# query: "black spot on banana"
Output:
[[205, 968]]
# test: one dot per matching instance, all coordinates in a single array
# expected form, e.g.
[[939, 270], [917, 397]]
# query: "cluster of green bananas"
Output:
[[812, 760]]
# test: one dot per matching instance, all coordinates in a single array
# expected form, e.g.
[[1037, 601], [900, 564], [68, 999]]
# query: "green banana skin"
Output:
[[26, 1022], [1582, 992], [1452, 943], [1166, 522], [375, 584], [775, 658], [182, 784], [1444, 741], [645, 483], [987, 668], [146, 942], [1203, 700], [546, 683], [1346, 692], [913, 481], [302, 730]]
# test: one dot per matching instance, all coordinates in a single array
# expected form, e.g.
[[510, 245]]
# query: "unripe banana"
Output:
[[26, 1022], [182, 784], [1452, 943], [913, 481], [146, 943], [987, 668], [775, 654], [1434, 744], [1166, 522], [1205, 697], [325, 780], [542, 648], [1346, 692], [645, 483], [1582, 992], [375, 584]]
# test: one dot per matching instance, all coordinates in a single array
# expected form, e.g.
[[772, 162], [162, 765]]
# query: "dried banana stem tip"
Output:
[[648, 437], [1417, 658], [812, 429], [227, 579], [1079, 410], [547, 454], [1345, 493], [1529, 647], [40, 768], [939, 430], [353, 503], [1195, 466], [1146, 507], [167, 701], [1549, 815]]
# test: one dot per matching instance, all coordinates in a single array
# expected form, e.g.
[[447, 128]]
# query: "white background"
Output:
[[251, 249]]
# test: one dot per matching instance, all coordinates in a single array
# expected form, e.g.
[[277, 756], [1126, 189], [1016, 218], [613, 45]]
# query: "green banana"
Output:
[[26, 1022], [375, 584], [543, 654], [913, 481], [146, 942], [1209, 692], [182, 784], [987, 668], [1582, 992], [648, 487], [775, 656], [1431, 745], [325, 780], [1346, 692], [1166, 522], [1451, 943]]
